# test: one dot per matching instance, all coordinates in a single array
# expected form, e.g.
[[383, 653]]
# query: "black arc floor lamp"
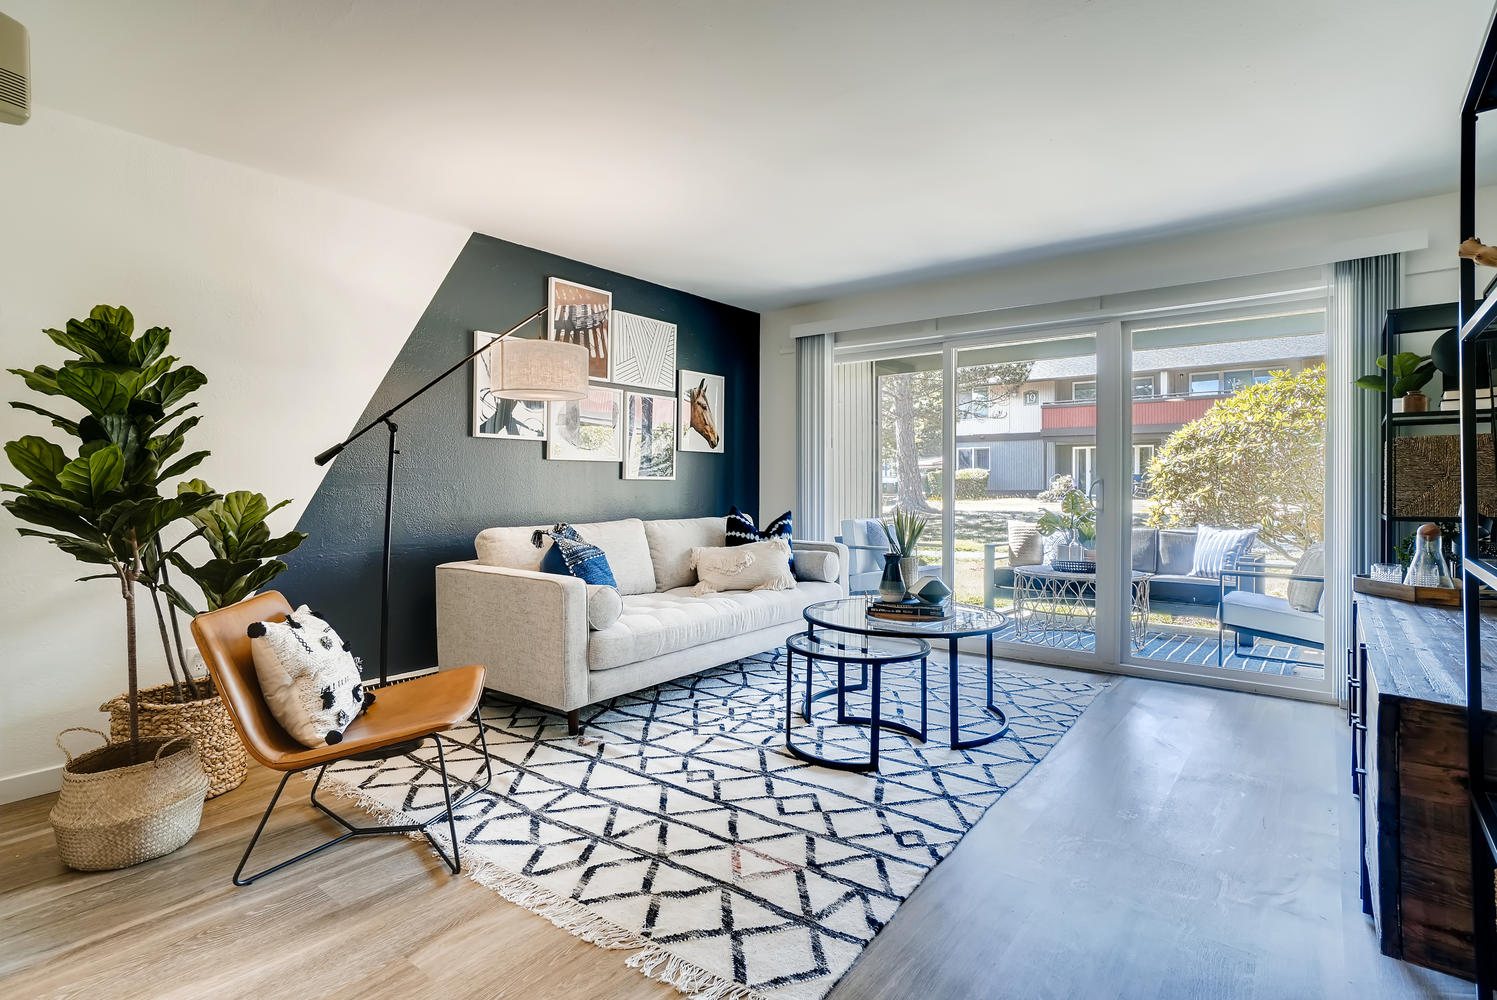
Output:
[[518, 369]]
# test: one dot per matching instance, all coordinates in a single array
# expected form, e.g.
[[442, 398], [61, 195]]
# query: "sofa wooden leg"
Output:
[[574, 722]]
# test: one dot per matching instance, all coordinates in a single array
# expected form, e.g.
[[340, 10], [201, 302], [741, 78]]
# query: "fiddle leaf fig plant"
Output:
[[244, 553], [99, 498]]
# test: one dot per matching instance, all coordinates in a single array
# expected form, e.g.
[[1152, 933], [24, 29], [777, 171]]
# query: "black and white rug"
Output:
[[676, 828]]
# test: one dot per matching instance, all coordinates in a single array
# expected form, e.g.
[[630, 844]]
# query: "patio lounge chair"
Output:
[[1252, 614]]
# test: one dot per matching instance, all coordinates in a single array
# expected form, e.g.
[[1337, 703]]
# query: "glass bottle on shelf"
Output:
[[1428, 568]]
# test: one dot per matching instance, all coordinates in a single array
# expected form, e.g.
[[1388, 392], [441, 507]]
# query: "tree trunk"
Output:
[[131, 665], [166, 647], [911, 485]]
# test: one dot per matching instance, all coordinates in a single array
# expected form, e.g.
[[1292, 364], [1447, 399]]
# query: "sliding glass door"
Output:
[[1144, 495]]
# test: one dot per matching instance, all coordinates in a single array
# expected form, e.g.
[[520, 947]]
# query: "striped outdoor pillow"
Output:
[[1219, 549], [741, 530]]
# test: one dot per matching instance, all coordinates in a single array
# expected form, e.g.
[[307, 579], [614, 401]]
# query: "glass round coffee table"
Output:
[[849, 615]]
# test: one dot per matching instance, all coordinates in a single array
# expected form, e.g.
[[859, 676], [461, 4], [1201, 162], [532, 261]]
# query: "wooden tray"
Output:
[[1450, 597]]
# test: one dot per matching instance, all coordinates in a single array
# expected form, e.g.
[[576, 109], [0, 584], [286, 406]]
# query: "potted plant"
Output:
[[100, 501], [904, 538], [104, 505], [1076, 522], [1403, 378], [243, 560]]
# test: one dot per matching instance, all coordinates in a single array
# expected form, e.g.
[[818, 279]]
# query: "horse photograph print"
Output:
[[701, 405]]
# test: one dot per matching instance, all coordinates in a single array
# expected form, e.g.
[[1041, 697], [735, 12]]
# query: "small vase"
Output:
[[909, 570], [1415, 402], [891, 586]]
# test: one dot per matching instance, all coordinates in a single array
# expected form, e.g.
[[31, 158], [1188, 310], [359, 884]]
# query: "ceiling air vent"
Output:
[[15, 72]]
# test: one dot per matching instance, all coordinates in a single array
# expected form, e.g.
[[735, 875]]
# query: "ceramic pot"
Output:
[[909, 569], [891, 586], [1415, 402]]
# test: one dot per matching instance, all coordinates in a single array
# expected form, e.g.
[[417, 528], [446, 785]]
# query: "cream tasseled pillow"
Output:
[[755, 566]]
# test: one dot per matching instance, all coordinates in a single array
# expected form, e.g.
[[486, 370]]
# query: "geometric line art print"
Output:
[[644, 352], [676, 828]]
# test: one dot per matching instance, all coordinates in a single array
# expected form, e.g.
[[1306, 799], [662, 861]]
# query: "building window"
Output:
[[1143, 456], [1143, 386], [1084, 390], [1205, 383], [1238, 380], [1031, 397], [973, 458], [976, 404]]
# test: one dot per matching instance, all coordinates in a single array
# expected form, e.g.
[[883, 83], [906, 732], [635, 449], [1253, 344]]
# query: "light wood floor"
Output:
[[1179, 842]]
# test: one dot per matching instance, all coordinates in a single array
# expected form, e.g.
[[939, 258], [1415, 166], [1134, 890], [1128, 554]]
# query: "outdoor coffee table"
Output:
[[849, 616], [1051, 605]]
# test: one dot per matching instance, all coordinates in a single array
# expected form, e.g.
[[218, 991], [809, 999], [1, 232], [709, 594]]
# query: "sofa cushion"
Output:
[[755, 566], [670, 543], [623, 542], [604, 606], [1219, 549], [1025, 545], [814, 564], [1273, 615], [1145, 550], [1177, 550], [656, 624], [1304, 595]]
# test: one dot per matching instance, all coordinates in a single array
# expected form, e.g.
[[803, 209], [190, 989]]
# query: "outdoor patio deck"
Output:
[[1196, 647]]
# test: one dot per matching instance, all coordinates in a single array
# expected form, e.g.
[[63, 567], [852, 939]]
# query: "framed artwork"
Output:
[[582, 315], [649, 436], [700, 398], [644, 352], [587, 429], [514, 419]]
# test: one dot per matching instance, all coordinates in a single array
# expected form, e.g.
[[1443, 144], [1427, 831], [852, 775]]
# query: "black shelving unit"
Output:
[[1397, 324], [1478, 329]]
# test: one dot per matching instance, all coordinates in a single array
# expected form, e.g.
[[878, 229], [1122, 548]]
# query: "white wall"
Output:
[[1424, 230], [292, 300]]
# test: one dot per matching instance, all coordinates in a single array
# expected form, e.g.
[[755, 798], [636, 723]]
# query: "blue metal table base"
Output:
[[875, 722]]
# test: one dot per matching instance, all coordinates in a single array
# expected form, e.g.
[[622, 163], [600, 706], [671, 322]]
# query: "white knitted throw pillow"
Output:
[[308, 677], [755, 566]]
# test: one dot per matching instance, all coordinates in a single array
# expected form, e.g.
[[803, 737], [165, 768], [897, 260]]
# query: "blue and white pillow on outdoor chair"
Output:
[[1220, 549]]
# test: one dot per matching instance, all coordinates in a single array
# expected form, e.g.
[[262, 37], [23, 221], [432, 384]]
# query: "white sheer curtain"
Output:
[[813, 376]]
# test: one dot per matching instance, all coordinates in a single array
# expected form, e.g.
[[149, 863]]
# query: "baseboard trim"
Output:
[[45, 780], [42, 781]]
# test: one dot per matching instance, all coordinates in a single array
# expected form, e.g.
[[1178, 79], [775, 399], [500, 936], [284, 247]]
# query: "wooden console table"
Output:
[[1409, 770]]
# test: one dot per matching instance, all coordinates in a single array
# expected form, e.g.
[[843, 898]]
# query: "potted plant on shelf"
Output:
[[904, 539], [1410, 372], [1076, 523], [101, 501]]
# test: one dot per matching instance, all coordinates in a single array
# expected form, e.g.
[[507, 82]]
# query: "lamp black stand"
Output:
[[384, 418]]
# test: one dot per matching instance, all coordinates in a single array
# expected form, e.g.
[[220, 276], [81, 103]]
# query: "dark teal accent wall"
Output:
[[450, 485]]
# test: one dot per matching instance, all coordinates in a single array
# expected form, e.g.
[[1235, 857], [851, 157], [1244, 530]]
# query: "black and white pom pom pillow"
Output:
[[310, 680], [741, 530]]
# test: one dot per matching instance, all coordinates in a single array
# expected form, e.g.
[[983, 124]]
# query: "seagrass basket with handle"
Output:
[[204, 720], [118, 808]]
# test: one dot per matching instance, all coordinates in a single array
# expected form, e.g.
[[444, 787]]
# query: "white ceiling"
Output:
[[768, 152]]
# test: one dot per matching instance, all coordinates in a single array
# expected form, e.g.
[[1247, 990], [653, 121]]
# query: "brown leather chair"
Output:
[[403, 716]]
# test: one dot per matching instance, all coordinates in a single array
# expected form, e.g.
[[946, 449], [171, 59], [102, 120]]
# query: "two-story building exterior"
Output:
[[1048, 425]]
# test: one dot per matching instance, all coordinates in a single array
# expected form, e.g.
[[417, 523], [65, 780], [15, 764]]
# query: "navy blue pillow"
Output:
[[741, 530], [570, 555]]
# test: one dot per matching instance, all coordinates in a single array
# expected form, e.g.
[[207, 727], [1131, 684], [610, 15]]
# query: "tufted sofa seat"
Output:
[[549, 639]]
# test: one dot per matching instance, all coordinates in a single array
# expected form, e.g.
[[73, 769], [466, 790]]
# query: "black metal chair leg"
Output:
[[455, 862], [239, 872]]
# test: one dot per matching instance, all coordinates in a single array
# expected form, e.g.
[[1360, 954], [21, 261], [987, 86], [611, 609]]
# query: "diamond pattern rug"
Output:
[[676, 828]]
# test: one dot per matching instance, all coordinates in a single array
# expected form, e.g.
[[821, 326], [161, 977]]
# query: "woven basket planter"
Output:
[[205, 721], [1427, 475], [118, 809]]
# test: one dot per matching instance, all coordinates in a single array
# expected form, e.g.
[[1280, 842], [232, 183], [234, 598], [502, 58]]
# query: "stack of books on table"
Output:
[[1452, 399], [910, 610]]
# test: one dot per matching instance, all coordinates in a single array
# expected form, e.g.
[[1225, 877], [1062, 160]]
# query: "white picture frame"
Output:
[[649, 436], [644, 352], [588, 429], [581, 314], [712, 388], [502, 419]]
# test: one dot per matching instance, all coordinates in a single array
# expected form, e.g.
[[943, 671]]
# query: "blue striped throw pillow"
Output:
[[742, 531], [1219, 549]]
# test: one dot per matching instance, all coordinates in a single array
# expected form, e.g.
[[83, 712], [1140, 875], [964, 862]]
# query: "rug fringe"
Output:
[[649, 960], [657, 963]]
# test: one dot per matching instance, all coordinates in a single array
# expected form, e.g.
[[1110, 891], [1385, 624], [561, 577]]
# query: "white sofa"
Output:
[[532, 632]]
